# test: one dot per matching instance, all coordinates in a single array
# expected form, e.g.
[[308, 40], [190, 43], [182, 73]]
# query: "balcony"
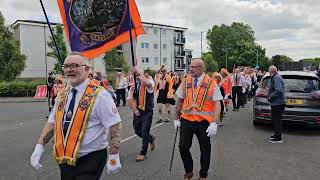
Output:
[[180, 40], [189, 56], [179, 53]]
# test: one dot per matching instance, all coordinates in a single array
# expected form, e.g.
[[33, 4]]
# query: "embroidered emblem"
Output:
[[84, 103], [61, 106], [113, 162], [189, 85], [204, 85]]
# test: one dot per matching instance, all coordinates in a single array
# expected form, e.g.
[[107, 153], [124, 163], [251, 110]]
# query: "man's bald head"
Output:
[[273, 70], [196, 67]]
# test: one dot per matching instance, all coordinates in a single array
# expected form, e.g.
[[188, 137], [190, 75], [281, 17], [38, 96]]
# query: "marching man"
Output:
[[141, 103], [197, 112], [82, 114]]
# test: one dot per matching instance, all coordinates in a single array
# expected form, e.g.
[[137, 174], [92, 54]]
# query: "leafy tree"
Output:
[[277, 60], [210, 64], [113, 61], [12, 62], [238, 42], [58, 35]]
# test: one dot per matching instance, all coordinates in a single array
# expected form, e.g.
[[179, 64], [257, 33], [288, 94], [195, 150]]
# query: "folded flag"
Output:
[[94, 27]]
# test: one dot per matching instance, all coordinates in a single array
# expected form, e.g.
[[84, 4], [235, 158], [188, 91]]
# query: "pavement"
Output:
[[20, 100], [240, 150]]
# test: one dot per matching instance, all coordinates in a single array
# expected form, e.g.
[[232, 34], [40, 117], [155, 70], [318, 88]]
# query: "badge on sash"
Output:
[[69, 115], [194, 104]]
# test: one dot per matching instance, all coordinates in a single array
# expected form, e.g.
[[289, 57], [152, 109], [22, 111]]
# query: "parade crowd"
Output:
[[83, 113]]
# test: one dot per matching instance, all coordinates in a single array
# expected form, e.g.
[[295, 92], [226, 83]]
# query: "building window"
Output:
[[164, 32], [165, 60], [155, 46], [155, 31], [146, 29], [164, 46], [178, 63], [145, 45], [156, 61], [145, 60]]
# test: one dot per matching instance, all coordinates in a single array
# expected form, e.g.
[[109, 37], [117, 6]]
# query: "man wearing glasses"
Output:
[[82, 114], [197, 111]]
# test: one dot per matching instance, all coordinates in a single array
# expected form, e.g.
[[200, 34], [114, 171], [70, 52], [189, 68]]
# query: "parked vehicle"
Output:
[[303, 105]]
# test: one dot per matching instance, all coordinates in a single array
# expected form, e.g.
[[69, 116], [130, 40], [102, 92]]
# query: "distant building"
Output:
[[298, 66], [161, 45]]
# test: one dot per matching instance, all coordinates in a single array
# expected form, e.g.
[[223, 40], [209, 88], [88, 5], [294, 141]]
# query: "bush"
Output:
[[19, 88]]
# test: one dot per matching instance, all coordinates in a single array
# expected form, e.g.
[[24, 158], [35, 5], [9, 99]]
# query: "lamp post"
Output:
[[257, 64], [201, 40], [226, 50]]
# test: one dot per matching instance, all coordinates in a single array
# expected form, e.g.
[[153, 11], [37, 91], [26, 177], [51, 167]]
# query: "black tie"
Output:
[[70, 111]]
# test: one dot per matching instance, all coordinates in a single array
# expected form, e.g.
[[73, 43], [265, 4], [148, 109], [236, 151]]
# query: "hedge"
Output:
[[19, 88]]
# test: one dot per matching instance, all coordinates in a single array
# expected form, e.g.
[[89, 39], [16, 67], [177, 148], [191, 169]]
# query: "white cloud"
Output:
[[287, 27]]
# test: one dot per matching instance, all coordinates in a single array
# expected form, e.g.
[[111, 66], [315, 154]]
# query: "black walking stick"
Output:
[[174, 145]]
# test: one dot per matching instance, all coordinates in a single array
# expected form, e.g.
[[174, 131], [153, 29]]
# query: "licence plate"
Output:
[[294, 101]]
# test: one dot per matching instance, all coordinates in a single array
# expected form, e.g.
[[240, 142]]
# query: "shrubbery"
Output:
[[19, 88]]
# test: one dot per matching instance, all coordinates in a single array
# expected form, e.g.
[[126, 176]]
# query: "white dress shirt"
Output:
[[122, 83], [240, 77], [216, 96], [104, 114], [150, 90]]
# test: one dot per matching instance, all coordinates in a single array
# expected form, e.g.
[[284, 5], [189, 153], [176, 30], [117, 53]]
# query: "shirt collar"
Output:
[[199, 78], [81, 87]]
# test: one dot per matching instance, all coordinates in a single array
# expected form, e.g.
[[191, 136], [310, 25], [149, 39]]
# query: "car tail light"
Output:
[[263, 114]]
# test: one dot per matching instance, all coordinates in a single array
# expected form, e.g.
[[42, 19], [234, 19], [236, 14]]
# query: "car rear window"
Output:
[[299, 84]]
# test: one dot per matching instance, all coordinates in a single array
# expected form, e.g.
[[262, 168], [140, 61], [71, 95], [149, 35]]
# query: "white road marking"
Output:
[[128, 138]]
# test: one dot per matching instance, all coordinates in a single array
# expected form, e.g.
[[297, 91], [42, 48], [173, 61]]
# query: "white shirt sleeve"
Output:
[[52, 116], [106, 110], [217, 94], [179, 93], [150, 90]]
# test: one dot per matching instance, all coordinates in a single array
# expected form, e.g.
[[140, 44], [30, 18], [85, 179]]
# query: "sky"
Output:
[[286, 27]]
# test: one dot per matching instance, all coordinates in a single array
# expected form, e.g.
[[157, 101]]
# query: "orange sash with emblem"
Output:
[[66, 148], [141, 100]]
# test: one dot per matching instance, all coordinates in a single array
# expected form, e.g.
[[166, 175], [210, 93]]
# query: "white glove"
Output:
[[176, 124], [36, 156], [212, 129], [226, 97], [113, 164], [243, 90]]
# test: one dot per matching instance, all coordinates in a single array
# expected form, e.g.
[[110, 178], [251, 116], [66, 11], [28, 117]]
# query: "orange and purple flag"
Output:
[[94, 27]]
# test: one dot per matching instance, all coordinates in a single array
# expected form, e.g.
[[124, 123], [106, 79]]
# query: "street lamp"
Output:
[[226, 50], [257, 64], [201, 40]]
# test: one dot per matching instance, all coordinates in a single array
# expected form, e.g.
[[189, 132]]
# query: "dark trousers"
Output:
[[121, 94], [142, 125], [276, 114], [187, 130], [87, 167], [236, 96]]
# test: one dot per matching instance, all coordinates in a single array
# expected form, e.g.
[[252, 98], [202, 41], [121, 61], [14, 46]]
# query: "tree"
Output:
[[277, 60], [237, 42], [58, 35], [12, 62], [113, 61], [210, 64]]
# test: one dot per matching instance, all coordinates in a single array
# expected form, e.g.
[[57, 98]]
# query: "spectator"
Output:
[[277, 101]]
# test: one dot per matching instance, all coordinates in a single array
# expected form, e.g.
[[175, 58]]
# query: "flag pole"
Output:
[[131, 45], [53, 38]]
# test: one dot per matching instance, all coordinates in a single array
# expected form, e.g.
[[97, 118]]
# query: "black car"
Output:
[[301, 107]]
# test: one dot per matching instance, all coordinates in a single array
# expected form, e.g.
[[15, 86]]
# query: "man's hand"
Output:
[[212, 129], [113, 164], [137, 113], [36, 156], [176, 124]]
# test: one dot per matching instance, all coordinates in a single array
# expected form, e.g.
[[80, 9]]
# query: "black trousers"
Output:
[[121, 94], [87, 167], [187, 130], [142, 125], [236, 96], [276, 115]]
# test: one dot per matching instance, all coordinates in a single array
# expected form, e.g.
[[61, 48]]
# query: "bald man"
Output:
[[277, 101], [197, 112]]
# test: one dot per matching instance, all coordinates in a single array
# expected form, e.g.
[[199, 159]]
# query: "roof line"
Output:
[[54, 23]]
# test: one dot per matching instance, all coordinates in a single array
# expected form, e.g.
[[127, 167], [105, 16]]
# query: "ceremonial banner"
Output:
[[41, 92], [94, 27]]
